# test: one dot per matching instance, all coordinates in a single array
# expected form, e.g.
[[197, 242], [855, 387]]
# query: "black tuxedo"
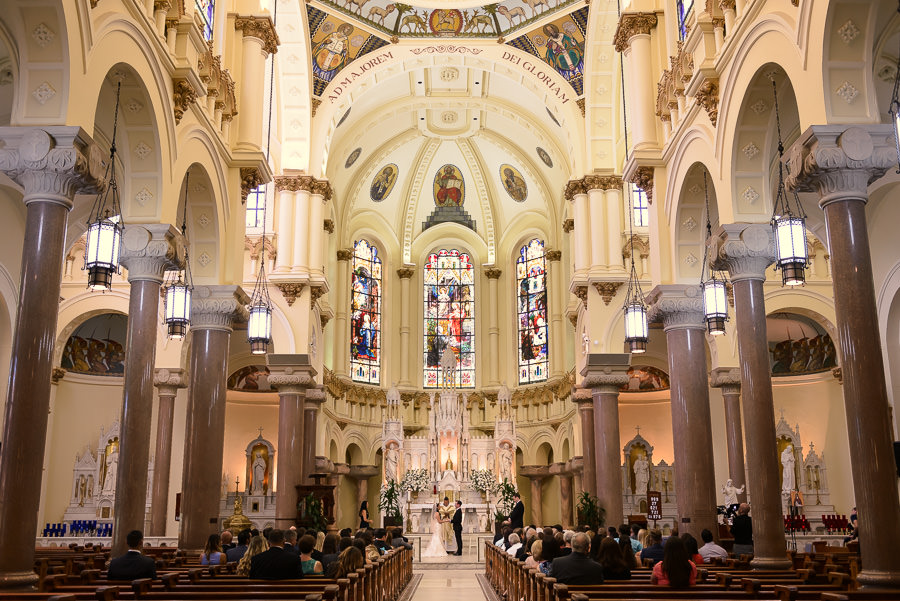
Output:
[[456, 522], [576, 568], [517, 515], [131, 566], [276, 564]]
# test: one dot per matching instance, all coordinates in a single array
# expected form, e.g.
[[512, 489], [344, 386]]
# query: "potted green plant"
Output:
[[506, 492], [590, 513], [312, 513], [389, 503]]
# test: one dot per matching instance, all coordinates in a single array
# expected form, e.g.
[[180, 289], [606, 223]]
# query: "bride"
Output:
[[436, 544]]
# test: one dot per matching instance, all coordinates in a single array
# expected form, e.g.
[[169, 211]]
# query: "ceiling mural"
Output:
[[513, 182], [560, 44], [383, 183]]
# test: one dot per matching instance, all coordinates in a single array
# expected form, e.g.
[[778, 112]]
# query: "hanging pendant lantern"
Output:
[[105, 225], [715, 305], [636, 329], [259, 328], [178, 309]]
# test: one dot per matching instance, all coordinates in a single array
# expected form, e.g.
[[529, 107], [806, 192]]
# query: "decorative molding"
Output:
[[568, 225], [582, 293], [573, 188], [404, 273], [643, 179], [257, 244], [316, 103], [290, 291], [250, 179], [57, 374], [322, 187], [169, 380], [726, 378], [43, 93], [183, 96], [328, 226], [580, 103], [602, 182], [261, 28], [707, 97], [218, 307], [677, 306], [493, 273], [293, 183], [745, 250], [727, 5], [42, 35], [607, 290], [641, 242], [315, 293], [848, 32], [554, 255], [630, 25], [847, 91], [149, 250], [324, 319], [344, 254]]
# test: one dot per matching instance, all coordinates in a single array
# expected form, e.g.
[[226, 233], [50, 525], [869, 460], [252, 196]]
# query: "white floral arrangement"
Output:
[[415, 480], [484, 481]]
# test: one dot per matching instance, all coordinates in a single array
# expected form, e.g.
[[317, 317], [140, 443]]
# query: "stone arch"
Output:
[[689, 223], [353, 454], [75, 311], [202, 219], [543, 455]]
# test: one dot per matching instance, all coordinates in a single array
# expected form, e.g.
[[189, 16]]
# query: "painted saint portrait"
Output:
[[352, 158], [563, 52], [545, 156], [445, 21], [331, 54], [645, 378], [449, 187], [514, 183], [383, 183], [97, 346]]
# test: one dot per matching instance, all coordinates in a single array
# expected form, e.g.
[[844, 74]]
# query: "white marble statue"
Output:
[[788, 481], [506, 462], [641, 474], [390, 462], [259, 474], [112, 470], [585, 344], [731, 492]]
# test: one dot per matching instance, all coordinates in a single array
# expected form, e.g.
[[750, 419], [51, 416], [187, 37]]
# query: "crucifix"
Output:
[[237, 482], [260, 431], [449, 464], [638, 430]]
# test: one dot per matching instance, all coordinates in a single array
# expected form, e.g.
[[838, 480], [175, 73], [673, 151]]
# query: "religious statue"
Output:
[[259, 475], [82, 490], [446, 511], [506, 462], [585, 345], [731, 492], [112, 470], [448, 368], [641, 474], [390, 462], [788, 481]]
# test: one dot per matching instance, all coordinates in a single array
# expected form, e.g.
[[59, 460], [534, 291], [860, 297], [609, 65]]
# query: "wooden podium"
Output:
[[322, 492]]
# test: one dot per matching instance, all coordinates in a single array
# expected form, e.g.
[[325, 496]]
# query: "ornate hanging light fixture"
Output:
[[788, 221], [178, 290], [713, 283], [105, 225], [894, 109]]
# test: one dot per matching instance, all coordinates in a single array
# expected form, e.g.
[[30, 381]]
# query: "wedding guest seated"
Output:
[[226, 540], [515, 544], [317, 550], [710, 550], [346, 532], [330, 550], [235, 554], [654, 549], [642, 536], [691, 543], [212, 553], [379, 542], [350, 560], [346, 541], [371, 551], [133, 564], [577, 567], [257, 545], [309, 563], [564, 548], [625, 530], [398, 540], [625, 548], [676, 570], [534, 558], [612, 560], [276, 563], [549, 551], [290, 541]]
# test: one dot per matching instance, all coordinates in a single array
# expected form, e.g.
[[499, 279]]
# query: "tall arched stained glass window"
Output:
[[449, 316], [365, 314], [531, 280]]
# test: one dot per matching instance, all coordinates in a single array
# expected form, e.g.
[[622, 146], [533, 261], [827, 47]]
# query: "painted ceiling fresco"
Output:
[[560, 44]]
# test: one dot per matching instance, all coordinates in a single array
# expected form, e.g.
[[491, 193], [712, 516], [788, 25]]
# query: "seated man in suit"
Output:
[[133, 564], [577, 567], [276, 563], [654, 549]]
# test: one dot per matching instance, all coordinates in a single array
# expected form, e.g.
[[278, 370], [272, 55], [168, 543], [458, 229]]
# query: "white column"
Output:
[[340, 316], [405, 274], [614, 228], [633, 39], [493, 375], [582, 240], [285, 216], [259, 41], [597, 246], [321, 193], [300, 261], [557, 306]]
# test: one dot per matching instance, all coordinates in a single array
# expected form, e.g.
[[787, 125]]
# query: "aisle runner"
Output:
[[435, 583]]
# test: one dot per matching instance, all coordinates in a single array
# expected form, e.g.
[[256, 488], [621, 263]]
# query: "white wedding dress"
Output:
[[435, 546]]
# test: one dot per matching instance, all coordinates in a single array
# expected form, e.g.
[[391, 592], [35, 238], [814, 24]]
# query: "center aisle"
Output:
[[435, 585]]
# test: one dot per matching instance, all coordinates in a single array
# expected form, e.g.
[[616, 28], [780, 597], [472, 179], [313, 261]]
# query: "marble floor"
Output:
[[435, 584]]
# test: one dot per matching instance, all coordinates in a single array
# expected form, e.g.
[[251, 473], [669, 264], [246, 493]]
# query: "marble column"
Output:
[[604, 375], [680, 309], [557, 314], [405, 274], [213, 312], [581, 247], [746, 250], [341, 333], [314, 399], [565, 499], [493, 375], [292, 376], [167, 382], [362, 473], [632, 38], [52, 164], [537, 513], [319, 197], [728, 379], [259, 40], [56, 377], [148, 250], [839, 162], [585, 402]]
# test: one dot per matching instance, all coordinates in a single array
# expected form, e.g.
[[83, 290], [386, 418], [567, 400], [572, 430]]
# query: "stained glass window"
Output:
[[531, 280], [256, 206], [206, 8], [449, 316], [640, 212], [684, 8], [365, 314]]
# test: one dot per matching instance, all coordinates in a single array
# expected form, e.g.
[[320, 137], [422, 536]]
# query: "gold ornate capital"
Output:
[[324, 319], [574, 187], [316, 102], [290, 291], [582, 293], [162, 5], [707, 97], [328, 226], [726, 4], [261, 28], [554, 255], [316, 292], [602, 182], [293, 183], [643, 179], [344, 254], [630, 25], [568, 225], [404, 273], [607, 290], [322, 187], [493, 273], [57, 374], [183, 95], [250, 178]]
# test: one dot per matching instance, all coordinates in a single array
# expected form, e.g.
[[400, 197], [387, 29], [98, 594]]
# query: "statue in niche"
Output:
[[506, 462], [82, 490], [788, 480], [259, 474], [641, 474], [731, 492], [112, 470], [585, 345], [390, 462]]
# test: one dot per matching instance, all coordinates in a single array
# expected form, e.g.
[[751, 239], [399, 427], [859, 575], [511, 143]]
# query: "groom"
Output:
[[456, 522]]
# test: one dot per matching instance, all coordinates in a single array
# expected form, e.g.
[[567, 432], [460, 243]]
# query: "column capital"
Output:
[[293, 183], [261, 28], [57, 374], [323, 189], [218, 307], [52, 163], [726, 4], [643, 179], [291, 374], [149, 249], [606, 373], [677, 306], [554, 255], [602, 182], [745, 250], [404, 273], [315, 396], [168, 380], [344, 254], [574, 187], [726, 378], [840, 161], [630, 25], [493, 273], [583, 397]]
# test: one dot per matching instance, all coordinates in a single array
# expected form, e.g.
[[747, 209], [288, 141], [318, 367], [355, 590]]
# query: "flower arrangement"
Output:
[[484, 481], [415, 480]]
